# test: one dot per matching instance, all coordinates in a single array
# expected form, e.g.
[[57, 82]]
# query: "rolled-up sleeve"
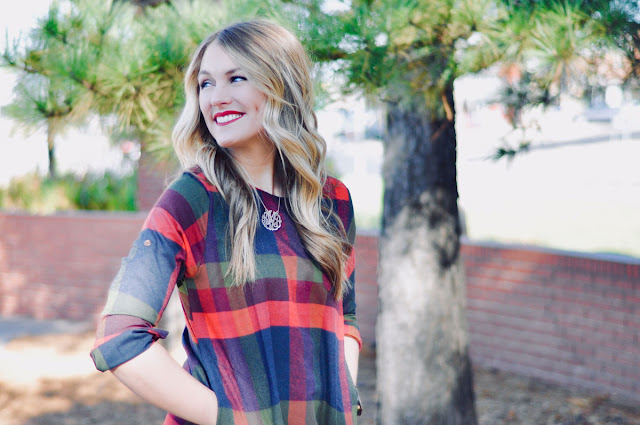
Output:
[[160, 257], [137, 298]]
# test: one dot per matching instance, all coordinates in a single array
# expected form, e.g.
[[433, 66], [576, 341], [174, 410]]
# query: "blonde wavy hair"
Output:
[[276, 63]]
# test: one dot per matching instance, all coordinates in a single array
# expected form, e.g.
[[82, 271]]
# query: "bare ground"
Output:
[[50, 380]]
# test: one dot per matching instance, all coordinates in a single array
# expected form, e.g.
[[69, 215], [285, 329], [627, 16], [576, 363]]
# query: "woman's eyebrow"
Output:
[[231, 71]]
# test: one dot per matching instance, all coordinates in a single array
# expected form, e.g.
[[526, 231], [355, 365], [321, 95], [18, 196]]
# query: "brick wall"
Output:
[[564, 317], [569, 318], [59, 266]]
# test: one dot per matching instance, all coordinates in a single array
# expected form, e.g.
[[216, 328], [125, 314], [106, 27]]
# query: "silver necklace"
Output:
[[271, 219]]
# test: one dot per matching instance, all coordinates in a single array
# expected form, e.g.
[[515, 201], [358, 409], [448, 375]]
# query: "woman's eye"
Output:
[[205, 84], [237, 78]]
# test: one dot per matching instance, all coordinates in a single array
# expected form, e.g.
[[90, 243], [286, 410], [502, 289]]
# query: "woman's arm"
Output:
[[156, 377], [351, 354]]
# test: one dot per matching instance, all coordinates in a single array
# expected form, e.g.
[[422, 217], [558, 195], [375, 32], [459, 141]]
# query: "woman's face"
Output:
[[231, 104]]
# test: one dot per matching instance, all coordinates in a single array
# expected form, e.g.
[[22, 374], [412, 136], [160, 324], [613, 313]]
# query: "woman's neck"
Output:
[[260, 170]]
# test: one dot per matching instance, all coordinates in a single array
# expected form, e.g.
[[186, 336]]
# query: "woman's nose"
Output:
[[219, 96]]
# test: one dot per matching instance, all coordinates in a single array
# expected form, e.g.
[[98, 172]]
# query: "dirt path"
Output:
[[50, 380]]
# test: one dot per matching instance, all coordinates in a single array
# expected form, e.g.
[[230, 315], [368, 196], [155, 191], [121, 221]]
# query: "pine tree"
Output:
[[58, 68], [407, 55]]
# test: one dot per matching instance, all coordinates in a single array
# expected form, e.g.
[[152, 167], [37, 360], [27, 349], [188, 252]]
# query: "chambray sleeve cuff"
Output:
[[125, 346]]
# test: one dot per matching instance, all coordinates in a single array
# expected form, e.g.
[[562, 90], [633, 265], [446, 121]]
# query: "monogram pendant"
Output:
[[271, 220]]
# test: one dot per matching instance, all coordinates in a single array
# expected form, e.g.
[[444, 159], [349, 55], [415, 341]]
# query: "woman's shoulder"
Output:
[[341, 204], [190, 190], [191, 184], [336, 190], [197, 174]]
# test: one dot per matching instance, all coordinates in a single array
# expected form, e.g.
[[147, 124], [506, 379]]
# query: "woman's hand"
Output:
[[156, 377]]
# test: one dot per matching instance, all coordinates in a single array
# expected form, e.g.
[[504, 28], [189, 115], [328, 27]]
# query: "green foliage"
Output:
[[413, 49], [525, 93], [59, 64], [107, 193], [39, 195], [509, 152], [405, 49], [517, 97], [34, 194]]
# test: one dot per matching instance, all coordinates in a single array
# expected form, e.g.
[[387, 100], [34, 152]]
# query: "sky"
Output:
[[21, 15]]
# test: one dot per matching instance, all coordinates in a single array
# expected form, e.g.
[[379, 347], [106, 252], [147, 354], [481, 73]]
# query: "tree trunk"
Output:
[[424, 371], [51, 151]]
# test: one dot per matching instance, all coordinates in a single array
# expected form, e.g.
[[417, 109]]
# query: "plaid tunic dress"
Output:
[[272, 350]]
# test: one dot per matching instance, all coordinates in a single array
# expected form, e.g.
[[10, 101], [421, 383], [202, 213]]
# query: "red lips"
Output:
[[227, 117]]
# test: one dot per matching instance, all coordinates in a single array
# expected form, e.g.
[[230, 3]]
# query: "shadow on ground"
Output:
[[110, 413]]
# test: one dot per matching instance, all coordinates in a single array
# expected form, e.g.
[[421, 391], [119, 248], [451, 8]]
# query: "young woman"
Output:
[[258, 241]]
